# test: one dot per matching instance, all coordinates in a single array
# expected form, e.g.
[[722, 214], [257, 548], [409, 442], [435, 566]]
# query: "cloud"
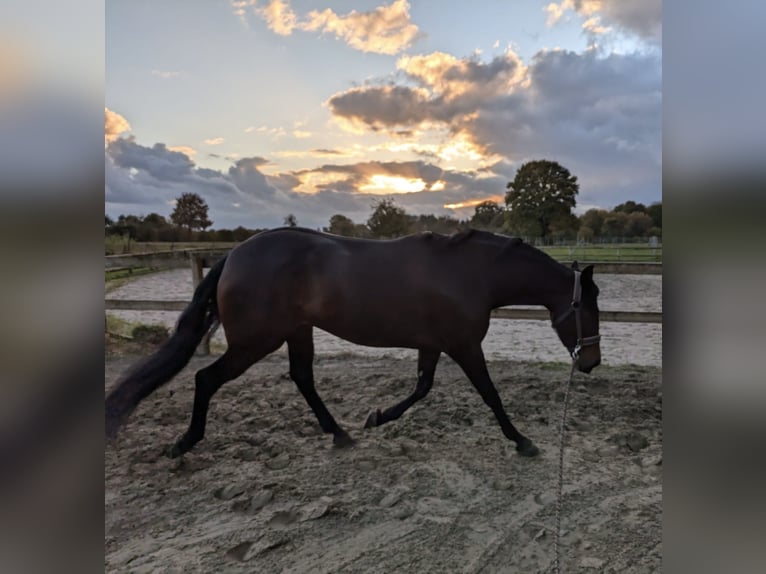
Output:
[[642, 18], [240, 8], [184, 149], [114, 125], [592, 26], [381, 107], [467, 125], [154, 176], [214, 141], [556, 11], [369, 177], [142, 179], [599, 115], [472, 203], [451, 77], [279, 17], [386, 29], [158, 161], [450, 89], [274, 132]]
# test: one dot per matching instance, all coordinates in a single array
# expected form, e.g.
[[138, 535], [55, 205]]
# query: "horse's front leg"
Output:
[[471, 360], [300, 348]]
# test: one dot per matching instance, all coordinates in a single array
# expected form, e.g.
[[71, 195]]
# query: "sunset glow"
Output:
[[407, 108], [383, 184], [500, 199]]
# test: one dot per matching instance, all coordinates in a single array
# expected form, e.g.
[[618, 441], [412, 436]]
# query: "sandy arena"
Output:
[[439, 490]]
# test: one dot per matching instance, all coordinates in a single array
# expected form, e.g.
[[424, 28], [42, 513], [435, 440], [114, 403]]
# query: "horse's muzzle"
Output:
[[589, 367]]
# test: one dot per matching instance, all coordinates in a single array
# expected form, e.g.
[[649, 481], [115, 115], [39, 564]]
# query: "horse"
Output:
[[426, 291]]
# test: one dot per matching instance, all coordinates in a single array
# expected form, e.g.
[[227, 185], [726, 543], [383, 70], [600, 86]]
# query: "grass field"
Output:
[[627, 253]]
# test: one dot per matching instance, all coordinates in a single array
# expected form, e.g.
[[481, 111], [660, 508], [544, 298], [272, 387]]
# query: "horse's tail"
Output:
[[148, 375]]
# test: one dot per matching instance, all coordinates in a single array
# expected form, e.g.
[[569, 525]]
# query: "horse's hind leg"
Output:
[[471, 360], [300, 347], [426, 368], [230, 365]]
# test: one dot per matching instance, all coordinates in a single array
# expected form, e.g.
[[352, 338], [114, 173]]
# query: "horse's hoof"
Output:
[[527, 448], [343, 440], [176, 450], [373, 420]]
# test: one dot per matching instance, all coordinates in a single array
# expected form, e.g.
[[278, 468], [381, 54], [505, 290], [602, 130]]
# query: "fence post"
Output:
[[197, 264]]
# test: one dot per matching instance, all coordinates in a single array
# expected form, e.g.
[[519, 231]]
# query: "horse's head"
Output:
[[577, 323]]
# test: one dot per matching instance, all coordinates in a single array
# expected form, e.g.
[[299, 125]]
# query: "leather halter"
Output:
[[575, 307]]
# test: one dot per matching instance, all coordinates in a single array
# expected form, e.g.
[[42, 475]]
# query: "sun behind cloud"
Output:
[[379, 184]]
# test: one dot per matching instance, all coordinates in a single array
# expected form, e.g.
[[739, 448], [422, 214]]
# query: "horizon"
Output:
[[279, 109]]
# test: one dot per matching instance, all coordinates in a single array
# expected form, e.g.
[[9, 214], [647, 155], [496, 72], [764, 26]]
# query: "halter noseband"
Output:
[[574, 307]]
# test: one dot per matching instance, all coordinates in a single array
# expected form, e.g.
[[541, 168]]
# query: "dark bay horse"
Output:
[[426, 291]]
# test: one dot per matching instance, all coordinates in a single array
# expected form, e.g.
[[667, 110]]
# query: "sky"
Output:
[[272, 107]]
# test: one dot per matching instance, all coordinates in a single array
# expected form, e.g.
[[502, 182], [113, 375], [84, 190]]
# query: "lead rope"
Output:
[[560, 489]]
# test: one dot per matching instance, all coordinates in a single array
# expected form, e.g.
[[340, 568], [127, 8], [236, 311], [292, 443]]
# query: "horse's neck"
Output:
[[531, 282]]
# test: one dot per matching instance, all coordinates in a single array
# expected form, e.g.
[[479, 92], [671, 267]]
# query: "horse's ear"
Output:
[[587, 273], [575, 266]]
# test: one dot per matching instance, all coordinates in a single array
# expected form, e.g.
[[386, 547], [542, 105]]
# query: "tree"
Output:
[[240, 233], [443, 224], [190, 212], [655, 212], [630, 206], [485, 216], [128, 225], [388, 220], [615, 224], [594, 219], [341, 225], [638, 224], [543, 192], [155, 220], [585, 234], [291, 221]]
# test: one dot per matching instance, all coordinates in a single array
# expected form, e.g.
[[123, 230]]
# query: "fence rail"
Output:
[[207, 257], [502, 313], [198, 259]]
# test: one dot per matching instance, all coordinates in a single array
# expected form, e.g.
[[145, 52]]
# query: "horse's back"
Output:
[[404, 292]]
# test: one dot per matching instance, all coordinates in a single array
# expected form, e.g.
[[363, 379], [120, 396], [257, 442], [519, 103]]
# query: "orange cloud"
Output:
[[184, 149], [452, 77], [384, 30], [114, 125], [279, 16]]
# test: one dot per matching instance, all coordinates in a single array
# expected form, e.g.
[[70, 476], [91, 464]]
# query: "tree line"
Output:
[[538, 205]]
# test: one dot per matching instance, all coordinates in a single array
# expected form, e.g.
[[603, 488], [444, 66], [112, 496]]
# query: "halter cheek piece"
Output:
[[575, 308]]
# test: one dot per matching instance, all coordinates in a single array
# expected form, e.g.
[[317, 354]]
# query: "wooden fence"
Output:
[[199, 259]]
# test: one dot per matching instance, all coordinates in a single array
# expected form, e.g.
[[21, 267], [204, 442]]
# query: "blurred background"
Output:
[[51, 194]]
